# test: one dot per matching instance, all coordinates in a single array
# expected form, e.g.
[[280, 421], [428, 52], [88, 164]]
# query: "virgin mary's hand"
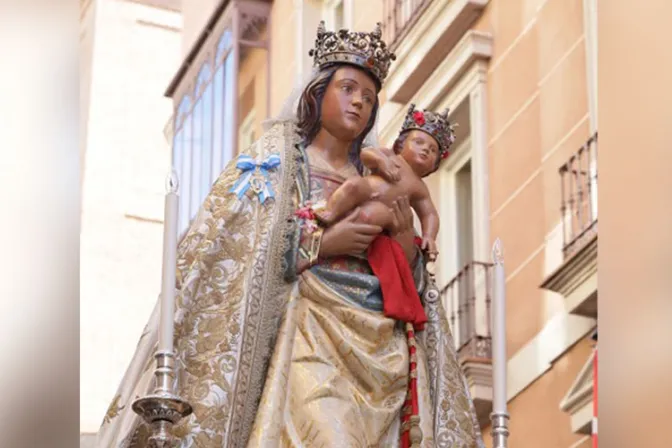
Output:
[[402, 225], [348, 237], [402, 216]]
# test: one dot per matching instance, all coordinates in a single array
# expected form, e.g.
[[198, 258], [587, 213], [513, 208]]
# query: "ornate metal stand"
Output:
[[163, 408], [500, 430]]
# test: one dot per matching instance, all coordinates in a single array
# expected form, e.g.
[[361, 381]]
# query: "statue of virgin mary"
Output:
[[280, 335]]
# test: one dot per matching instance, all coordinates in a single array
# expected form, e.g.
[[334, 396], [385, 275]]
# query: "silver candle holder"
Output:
[[500, 429], [162, 409]]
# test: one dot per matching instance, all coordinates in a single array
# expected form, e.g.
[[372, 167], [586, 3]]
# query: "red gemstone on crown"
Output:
[[419, 118]]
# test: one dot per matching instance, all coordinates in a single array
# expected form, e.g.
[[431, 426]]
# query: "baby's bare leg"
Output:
[[376, 213], [353, 192]]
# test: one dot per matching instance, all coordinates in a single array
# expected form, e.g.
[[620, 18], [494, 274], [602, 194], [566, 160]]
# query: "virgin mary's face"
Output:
[[348, 103]]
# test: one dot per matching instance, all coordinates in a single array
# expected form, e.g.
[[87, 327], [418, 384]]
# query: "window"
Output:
[[206, 134], [464, 223], [456, 241], [464, 264], [454, 207], [199, 148], [335, 14]]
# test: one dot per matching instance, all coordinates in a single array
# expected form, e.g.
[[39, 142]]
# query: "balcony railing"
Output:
[[467, 300], [578, 177], [399, 16]]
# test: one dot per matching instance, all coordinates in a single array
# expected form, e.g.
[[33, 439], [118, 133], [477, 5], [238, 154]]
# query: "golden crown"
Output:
[[366, 50], [434, 124]]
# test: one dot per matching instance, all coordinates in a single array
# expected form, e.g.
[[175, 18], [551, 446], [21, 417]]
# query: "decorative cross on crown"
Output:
[[366, 50], [434, 124]]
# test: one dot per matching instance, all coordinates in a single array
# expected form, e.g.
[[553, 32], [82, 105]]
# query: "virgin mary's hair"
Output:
[[309, 113]]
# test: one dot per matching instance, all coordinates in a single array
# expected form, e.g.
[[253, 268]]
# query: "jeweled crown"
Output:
[[435, 124], [366, 50]]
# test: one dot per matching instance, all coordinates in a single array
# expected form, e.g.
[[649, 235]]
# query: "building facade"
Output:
[[129, 51], [519, 78]]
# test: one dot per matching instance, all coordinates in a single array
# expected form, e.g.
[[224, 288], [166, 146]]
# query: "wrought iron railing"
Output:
[[399, 16], [467, 299], [578, 208]]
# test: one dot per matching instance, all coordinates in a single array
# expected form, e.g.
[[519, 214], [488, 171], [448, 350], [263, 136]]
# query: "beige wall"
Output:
[[195, 15], [127, 159], [538, 115], [536, 418], [253, 76], [366, 14], [283, 51]]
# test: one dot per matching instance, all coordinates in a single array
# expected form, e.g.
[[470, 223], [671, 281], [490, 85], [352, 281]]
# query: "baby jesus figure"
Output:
[[423, 142]]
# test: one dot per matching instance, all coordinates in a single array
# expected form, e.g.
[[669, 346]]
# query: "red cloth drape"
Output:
[[402, 302], [400, 296]]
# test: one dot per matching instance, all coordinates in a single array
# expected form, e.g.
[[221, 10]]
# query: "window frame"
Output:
[[449, 237], [207, 92], [448, 211], [471, 88]]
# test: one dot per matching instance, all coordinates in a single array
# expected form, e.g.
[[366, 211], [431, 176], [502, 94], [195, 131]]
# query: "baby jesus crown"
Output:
[[366, 50], [434, 124]]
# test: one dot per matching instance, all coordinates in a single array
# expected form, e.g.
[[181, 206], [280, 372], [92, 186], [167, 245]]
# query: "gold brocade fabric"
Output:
[[337, 378], [267, 362]]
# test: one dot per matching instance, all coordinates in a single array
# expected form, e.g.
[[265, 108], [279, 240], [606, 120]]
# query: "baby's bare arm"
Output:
[[372, 157], [382, 162]]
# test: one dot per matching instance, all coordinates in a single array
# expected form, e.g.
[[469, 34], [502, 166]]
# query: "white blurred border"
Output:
[[39, 225]]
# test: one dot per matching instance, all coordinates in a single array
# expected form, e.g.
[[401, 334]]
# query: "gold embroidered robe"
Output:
[[338, 367]]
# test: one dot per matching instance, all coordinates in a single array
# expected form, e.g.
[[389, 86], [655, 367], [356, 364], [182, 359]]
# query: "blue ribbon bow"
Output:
[[254, 175]]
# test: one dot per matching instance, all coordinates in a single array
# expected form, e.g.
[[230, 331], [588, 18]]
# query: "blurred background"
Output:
[[185, 83]]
